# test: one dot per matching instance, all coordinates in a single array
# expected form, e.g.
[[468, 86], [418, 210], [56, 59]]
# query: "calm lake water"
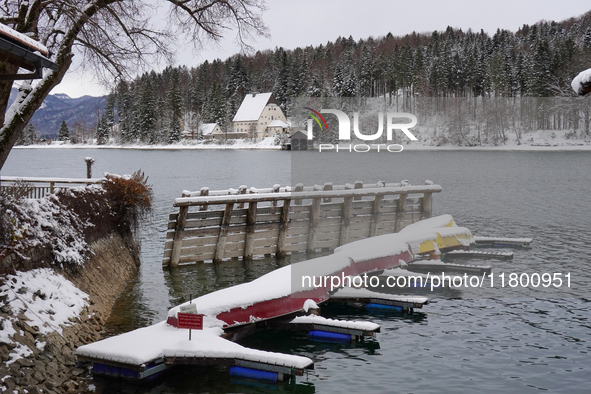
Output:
[[491, 340]]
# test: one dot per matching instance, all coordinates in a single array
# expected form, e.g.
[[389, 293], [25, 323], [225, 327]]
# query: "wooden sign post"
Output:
[[188, 317]]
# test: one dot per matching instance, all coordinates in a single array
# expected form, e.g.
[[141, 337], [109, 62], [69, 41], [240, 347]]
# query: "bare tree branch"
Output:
[[114, 37]]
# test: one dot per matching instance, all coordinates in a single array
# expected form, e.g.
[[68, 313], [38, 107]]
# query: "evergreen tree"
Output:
[[316, 89], [298, 73], [282, 82], [350, 86], [63, 133], [238, 79], [367, 71], [214, 109], [587, 37], [146, 115], [338, 81], [28, 136], [101, 132], [106, 122], [162, 121], [175, 103], [539, 70], [125, 112], [174, 133], [31, 134]]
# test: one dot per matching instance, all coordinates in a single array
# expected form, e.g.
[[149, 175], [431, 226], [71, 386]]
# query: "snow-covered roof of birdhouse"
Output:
[[252, 106]]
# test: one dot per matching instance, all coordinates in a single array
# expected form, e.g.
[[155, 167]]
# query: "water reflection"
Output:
[[129, 311], [203, 278]]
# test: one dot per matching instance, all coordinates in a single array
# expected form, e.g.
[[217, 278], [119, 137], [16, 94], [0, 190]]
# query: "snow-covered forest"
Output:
[[536, 61]]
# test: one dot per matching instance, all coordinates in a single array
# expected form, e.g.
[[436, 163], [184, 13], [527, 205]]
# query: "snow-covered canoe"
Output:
[[284, 291]]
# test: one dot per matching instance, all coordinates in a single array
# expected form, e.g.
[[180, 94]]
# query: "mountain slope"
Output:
[[58, 107]]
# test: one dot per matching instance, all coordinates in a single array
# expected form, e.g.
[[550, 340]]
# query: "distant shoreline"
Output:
[[150, 147], [343, 147]]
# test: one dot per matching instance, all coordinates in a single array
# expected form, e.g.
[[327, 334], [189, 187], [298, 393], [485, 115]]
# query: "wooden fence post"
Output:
[[345, 221], [178, 236], [375, 215], [327, 186], [299, 188], [241, 190], [427, 207], [358, 185], [222, 238], [204, 192], [251, 218], [313, 227], [400, 212], [283, 227], [276, 189]]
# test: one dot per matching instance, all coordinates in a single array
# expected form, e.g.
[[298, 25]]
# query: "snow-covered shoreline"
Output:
[[46, 313], [343, 147], [499, 148], [265, 144], [543, 140]]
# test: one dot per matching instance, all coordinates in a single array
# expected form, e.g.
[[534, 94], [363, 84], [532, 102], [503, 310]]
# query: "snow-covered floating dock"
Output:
[[480, 254], [279, 298], [500, 242]]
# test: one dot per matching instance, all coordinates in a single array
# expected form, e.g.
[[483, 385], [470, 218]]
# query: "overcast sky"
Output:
[[294, 23]]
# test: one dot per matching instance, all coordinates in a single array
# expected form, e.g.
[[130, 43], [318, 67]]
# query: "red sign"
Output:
[[191, 321]]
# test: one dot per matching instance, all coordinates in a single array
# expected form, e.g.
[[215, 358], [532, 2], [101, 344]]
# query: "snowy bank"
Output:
[[267, 143], [45, 315], [47, 300], [47, 224], [56, 297], [542, 140]]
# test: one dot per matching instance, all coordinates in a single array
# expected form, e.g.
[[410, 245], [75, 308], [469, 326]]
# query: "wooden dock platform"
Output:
[[147, 351], [407, 303], [272, 301], [478, 254], [500, 242], [423, 266], [123, 357], [356, 329]]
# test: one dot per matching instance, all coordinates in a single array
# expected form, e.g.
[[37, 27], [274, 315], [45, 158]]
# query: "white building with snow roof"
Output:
[[259, 116]]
